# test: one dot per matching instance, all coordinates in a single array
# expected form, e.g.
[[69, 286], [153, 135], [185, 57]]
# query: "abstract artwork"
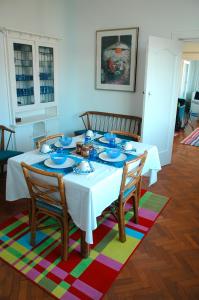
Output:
[[116, 59]]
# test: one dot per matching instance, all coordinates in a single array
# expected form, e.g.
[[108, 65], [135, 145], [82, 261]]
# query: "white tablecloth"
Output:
[[87, 195]]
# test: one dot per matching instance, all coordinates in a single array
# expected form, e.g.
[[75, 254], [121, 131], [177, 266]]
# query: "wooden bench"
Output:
[[106, 122]]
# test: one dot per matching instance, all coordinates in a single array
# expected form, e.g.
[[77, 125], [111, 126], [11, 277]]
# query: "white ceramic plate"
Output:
[[72, 145], [105, 157], [68, 163], [103, 140]]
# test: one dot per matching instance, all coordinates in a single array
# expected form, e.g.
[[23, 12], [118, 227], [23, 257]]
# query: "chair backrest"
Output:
[[131, 175], [45, 186], [104, 121], [48, 139], [133, 136], [5, 136]]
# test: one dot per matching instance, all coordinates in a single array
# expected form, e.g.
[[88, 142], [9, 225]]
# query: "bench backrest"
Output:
[[103, 121]]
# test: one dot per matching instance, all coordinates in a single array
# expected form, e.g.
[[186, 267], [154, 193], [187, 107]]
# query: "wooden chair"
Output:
[[130, 188], [5, 154], [132, 136], [47, 139], [47, 197]]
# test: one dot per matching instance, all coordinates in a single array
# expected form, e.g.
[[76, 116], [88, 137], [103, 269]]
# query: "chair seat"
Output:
[[128, 191], [50, 207], [6, 154]]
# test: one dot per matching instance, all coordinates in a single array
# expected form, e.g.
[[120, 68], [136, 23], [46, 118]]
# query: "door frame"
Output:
[[190, 35]]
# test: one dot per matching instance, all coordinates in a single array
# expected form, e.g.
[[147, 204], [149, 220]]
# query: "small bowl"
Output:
[[113, 153], [89, 133], [65, 141], [58, 158], [45, 148], [109, 136], [128, 146]]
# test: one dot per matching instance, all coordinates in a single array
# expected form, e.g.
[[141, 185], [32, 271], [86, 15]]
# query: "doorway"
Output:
[[188, 102]]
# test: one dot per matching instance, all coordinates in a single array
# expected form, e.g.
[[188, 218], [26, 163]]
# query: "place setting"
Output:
[[111, 140], [65, 142], [58, 161]]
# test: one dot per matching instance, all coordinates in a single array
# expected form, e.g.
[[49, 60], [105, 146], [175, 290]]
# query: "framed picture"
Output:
[[116, 59]]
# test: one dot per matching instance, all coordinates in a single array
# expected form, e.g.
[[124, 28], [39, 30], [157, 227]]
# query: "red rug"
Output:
[[192, 139], [77, 278]]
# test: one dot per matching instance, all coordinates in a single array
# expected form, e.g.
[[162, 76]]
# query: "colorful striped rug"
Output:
[[192, 139], [77, 278]]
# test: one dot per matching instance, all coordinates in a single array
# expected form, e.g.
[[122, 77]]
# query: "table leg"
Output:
[[85, 247]]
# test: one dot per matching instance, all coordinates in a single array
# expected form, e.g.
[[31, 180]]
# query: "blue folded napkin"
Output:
[[118, 164]]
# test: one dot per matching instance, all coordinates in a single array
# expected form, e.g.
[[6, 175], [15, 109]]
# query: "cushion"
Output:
[[50, 207], [128, 191], [79, 132], [82, 131], [5, 155]]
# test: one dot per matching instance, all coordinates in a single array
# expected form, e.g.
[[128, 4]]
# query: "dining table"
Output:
[[88, 194]]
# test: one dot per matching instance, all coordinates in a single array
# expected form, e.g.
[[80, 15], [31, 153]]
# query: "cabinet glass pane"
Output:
[[46, 74], [24, 74]]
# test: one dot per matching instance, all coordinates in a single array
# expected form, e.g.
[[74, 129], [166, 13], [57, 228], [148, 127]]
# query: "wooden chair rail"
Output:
[[48, 138], [104, 121], [3, 130], [135, 137]]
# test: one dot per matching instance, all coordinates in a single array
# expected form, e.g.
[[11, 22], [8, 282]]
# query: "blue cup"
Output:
[[112, 143], [92, 154], [87, 140]]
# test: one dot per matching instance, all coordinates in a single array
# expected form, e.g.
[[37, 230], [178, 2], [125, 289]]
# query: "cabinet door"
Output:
[[46, 74], [24, 75]]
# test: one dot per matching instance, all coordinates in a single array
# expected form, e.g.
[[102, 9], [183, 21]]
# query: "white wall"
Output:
[[154, 17], [76, 21]]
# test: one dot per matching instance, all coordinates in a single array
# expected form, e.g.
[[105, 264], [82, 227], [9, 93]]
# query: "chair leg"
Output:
[[32, 225], [29, 204], [135, 207], [139, 188], [2, 169], [121, 223]]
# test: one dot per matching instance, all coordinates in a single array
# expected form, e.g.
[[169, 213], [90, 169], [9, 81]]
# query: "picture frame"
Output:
[[116, 59]]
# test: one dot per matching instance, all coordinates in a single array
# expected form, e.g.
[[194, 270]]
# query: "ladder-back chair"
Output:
[[47, 196], [130, 188]]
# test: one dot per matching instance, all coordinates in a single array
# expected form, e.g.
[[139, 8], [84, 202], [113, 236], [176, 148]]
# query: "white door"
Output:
[[161, 94]]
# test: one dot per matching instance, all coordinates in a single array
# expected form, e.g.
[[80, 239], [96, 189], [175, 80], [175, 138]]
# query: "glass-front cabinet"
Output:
[[33, 85], [46, 74], [23, 61]]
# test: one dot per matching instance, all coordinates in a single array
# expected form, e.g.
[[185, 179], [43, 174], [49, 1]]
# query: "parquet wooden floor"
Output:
[[166, 264]]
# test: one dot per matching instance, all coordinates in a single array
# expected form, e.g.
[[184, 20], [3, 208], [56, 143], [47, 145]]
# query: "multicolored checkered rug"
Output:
[[192, 139], [77, 278]]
